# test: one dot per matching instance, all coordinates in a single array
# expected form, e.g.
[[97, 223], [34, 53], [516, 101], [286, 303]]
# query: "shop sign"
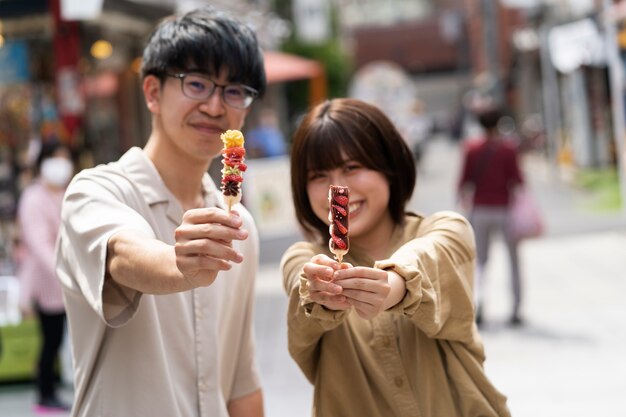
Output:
[[81, 9], [71, 102], [267, 194], [14, 63], [312, 20], [575, 44]]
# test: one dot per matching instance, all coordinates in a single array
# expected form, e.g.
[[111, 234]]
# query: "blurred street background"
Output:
[[69, 70]]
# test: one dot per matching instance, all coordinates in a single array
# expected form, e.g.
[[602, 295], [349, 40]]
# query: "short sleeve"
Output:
[[95, 207]]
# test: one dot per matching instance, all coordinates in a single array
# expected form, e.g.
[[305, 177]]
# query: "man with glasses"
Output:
[[158, 278]]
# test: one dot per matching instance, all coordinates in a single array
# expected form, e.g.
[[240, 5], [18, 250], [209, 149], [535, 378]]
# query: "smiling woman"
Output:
[[369, 148], [396, 313]]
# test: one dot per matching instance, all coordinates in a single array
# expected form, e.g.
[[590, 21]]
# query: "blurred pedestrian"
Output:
[[38, 220], [157, 275], [390, 331], [266, 139], [489, 176]]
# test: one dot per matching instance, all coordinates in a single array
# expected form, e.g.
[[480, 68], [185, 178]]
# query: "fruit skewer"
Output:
[[338, 213], [233, 159]]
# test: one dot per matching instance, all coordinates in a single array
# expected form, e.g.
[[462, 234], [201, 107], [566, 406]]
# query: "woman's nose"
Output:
[[337, 178]]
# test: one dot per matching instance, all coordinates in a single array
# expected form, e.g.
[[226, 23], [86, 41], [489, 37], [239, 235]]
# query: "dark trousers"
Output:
[[51, 327]]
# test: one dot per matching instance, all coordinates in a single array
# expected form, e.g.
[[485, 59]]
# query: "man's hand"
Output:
[[319, 272], [204, 244]]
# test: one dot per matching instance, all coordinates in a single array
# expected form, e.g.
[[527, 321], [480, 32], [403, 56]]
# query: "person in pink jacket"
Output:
[[38, 221]]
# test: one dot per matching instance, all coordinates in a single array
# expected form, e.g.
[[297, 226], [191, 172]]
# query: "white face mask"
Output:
[[57, 171]]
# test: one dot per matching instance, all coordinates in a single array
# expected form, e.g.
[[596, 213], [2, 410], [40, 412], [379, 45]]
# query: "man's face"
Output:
[[194, 126]]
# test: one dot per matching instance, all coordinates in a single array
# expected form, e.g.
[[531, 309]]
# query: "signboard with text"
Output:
[[14, 66]]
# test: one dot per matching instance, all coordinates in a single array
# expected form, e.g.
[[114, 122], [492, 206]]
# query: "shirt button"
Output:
[[398, 381], [199, 314], [202, 386], [386, 341]]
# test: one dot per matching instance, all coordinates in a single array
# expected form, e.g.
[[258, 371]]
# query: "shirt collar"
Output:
[[142, 172]]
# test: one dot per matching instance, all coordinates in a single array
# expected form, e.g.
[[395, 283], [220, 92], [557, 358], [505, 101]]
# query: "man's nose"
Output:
[[214, 104]]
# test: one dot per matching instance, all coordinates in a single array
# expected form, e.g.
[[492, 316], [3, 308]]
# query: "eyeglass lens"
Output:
[[200, 88]]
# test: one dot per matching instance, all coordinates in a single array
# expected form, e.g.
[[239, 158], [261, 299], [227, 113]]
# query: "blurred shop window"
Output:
[[102, 128]]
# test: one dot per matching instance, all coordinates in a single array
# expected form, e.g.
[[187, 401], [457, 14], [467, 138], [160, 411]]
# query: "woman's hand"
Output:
[[319, 273], [370, 290], [365, 288]]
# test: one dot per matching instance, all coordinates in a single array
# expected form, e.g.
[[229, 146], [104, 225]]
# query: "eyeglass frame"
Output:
[[182, 75]]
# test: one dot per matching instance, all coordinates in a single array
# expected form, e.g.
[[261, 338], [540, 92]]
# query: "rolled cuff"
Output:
[[326, 317], [412, 277]]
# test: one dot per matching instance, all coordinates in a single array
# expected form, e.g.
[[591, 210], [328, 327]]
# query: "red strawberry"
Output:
[[232, 177], [242, 167], [339, 243], [341, 227], [235, 151], [342, 200], [340, 209]]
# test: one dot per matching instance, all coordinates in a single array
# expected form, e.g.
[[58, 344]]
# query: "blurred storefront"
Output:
[[73, 79]]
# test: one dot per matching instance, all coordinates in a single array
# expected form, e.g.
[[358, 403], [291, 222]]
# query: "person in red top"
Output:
[[489, 176]]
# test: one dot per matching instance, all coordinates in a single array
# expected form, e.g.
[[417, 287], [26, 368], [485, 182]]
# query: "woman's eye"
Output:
[[315, 176], [352, 167]]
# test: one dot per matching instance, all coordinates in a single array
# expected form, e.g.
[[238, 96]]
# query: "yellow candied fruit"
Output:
[[232, 138], [231, 170]]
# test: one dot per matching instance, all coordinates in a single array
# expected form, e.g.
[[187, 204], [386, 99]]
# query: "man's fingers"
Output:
[[208, 247], [213, 215], [215, 231]]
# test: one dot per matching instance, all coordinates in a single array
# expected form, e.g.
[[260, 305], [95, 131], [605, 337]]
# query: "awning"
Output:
[[282, 67]]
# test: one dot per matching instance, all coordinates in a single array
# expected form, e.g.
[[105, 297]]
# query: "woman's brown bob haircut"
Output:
[[365, 135]]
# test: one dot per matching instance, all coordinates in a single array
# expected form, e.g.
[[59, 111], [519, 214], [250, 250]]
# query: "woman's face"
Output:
[[369, 198]]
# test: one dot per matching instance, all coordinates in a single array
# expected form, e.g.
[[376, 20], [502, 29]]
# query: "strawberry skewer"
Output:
[[338, 213], [232, 174]]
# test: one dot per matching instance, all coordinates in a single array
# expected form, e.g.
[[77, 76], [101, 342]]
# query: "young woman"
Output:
[[390, 331]]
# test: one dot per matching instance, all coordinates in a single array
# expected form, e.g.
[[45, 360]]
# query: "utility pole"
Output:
[[490, 9], [616, 71]]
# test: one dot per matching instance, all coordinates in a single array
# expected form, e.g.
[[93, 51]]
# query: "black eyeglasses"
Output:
[[200, 87]]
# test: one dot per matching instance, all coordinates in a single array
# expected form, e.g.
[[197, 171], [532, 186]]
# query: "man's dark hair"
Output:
[[363, 133], [208, 41]]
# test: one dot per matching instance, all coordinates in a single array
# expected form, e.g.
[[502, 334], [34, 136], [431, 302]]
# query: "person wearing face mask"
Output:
[[38, 221]]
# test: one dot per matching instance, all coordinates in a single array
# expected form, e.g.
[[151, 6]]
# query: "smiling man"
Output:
[[157, 276]]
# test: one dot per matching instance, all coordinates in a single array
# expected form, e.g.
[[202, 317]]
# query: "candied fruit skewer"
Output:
[[338, 213], [232, 174]]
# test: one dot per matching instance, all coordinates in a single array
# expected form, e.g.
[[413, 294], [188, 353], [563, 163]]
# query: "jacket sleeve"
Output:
[[307, 321], [438, 266]]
